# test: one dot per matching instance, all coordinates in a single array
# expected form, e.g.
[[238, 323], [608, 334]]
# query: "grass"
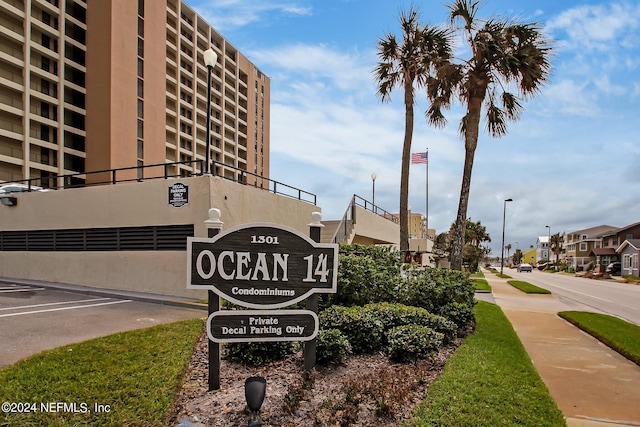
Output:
[[489, 381], [481, 284], [503, 276], [527, 287], [135, 373], [622, 336]]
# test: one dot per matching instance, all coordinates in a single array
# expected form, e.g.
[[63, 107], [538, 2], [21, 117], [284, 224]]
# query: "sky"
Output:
[[572, 160]]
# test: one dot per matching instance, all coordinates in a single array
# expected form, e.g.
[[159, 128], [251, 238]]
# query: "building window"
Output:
[[583, 247]]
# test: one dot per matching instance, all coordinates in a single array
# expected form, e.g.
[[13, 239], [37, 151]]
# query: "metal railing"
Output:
[[164, 171], [249, 178], [345, 227], [375, 209]]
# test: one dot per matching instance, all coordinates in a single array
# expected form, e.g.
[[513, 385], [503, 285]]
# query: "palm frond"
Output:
[[465, 10], [510, 105]]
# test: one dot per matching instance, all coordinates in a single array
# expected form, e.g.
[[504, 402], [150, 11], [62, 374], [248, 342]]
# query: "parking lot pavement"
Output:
[[34, 318]]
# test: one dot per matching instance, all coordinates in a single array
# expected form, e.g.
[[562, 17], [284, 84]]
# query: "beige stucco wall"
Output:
[[371, 228], [136, 204]]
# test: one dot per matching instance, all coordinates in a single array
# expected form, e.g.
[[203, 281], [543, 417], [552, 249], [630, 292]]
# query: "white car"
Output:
[[19, 188], [525, 267]]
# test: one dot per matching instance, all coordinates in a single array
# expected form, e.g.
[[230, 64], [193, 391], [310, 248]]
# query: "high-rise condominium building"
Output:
[[104, 84]]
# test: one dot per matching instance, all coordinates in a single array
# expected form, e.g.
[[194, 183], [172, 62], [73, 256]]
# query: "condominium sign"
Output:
[[262, 265]]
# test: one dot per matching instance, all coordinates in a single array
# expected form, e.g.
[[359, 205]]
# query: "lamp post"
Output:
[[373, 195], [504, 215], [549, 244], [210, 59]]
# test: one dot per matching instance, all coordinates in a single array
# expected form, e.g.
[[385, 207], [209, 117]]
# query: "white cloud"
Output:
[[344, 70], [598, 27], [604, 85], [569, 97], [231, 14]]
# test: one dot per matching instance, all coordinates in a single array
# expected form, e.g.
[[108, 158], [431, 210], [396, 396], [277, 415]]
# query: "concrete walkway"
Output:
[[592, 384]]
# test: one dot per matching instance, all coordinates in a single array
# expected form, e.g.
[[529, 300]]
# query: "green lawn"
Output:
[[527, 287], [480, 284], [489, 381], [135, 373], [622, 336]]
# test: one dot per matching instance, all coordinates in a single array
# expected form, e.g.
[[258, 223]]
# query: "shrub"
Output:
[[366, 274], [436, 290], [257, 353], [461, 314], [392, 315], [409, 343], [362, 329], [332, 346]]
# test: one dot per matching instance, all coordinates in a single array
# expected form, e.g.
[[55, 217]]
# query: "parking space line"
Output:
[[52, 303], [21, 290], [65, 308]]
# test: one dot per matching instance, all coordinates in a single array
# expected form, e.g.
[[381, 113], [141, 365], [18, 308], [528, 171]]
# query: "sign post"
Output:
[[265, 267], [214, 226]]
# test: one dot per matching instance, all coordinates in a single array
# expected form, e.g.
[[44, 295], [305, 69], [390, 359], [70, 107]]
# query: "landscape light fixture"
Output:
[[210, 59], [254, 391], [504, 212]]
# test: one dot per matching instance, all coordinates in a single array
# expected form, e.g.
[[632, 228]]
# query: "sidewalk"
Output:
[[592, 384]]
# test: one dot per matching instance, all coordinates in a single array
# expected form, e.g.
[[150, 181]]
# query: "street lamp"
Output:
[[504, 214], [210, 59], [549, 244], [373, 198]]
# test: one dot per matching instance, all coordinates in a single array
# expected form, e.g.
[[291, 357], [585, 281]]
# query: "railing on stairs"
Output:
[[347, 223]]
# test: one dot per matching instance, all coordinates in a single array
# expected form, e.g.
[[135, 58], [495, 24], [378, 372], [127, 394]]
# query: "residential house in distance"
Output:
[[529, 256], [629, 252], [611, 242], [542, 249], [580, 244]]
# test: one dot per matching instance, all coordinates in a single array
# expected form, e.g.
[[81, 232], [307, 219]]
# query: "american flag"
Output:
[[418, 158]]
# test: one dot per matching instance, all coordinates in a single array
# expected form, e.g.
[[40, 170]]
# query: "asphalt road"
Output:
[[33, 319], [607, 295]]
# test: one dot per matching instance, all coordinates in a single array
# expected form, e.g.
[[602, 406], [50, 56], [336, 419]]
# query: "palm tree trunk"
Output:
[[470, 144], [406, 162]]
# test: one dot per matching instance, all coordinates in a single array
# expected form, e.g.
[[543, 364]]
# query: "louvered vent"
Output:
[[150, 238]]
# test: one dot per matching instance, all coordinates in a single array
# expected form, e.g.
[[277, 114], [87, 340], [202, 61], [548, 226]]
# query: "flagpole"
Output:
[[427, 200]]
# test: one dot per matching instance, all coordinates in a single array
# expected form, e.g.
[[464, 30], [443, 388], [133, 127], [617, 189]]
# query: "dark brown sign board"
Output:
[[262, 325], [262, 265]]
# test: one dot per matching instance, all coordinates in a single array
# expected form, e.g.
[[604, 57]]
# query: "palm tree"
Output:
[[506, 56], [408, 64], [556, 245], [508, 248]]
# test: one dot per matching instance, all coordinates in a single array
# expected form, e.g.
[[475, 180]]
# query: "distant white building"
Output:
[[542, 249]]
